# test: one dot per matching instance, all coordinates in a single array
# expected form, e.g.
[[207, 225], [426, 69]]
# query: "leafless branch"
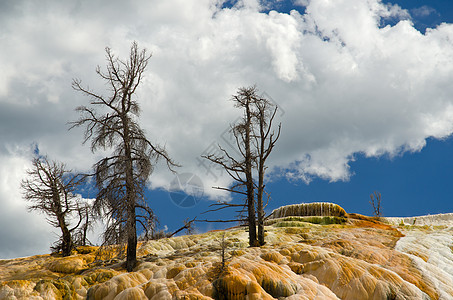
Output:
[[121, 178], [50, 188]]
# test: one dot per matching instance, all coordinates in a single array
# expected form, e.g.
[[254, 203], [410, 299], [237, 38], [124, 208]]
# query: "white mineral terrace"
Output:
[[432, 220], [431, 254], [430, 250]]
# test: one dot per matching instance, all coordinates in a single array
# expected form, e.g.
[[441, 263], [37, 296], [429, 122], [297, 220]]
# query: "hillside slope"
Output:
[[342, 257]]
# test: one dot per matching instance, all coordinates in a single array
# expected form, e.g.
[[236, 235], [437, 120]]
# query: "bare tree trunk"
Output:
[[261, 169], [251, 214], [260, 208], [131, 259], [131, 230], [265, 142], [249, 178], [85, 229], [66, 239]]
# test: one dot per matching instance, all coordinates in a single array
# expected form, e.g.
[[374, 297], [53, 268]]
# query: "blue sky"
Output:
[[364, 88], [411, 183], [428, 14]]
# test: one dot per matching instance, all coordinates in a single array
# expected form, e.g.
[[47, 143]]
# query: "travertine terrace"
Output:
[[344, 256]]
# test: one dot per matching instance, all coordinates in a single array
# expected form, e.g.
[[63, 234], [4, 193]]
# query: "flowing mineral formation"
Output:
[[309, 209], [357, 258]]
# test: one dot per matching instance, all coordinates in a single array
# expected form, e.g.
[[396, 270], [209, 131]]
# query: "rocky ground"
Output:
[[341, 257]]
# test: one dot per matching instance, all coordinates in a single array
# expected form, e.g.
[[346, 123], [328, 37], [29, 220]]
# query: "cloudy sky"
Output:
[[364, 89]]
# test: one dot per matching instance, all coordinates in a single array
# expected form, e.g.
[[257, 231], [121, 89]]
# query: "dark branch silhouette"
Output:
[[264, 141], [50, 189], [121, 178], [240, 169], [254, 140], [188, 226], [376, 204]]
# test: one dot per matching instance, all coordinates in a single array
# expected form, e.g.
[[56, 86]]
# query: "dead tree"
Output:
[[240, 168], [80, 236], [120, 178], [254, 141], [264, 141], [50, 189], [376, 204]]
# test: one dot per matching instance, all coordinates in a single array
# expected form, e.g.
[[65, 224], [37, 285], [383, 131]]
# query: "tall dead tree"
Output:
[[254, 141], [50, 189], [264, 141], [120, 178], [241, 168], [242, 132]]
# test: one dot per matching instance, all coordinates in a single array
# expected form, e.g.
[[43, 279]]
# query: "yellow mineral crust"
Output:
[[355, 260]]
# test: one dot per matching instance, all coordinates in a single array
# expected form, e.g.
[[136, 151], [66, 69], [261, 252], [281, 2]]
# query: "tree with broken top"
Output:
[[254, 140], [121, 178], [240, 168], [50, 188], [265, 139]]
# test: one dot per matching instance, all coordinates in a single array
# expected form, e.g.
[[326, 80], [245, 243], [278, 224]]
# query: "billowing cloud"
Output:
[[345, 81]]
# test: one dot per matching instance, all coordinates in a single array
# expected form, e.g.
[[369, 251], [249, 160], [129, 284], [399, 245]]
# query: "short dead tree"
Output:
[[50, 189], [376, 204]]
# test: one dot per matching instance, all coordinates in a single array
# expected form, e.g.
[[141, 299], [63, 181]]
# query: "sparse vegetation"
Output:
[[223, 243]]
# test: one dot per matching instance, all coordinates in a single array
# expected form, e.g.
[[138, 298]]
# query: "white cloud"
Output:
[[423, 11], [346, 84], [22, 233]]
